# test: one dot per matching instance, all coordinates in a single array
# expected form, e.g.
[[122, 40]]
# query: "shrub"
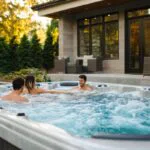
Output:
[[39, 75]]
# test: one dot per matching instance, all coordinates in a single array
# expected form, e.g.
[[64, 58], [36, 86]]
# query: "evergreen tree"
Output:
[[13, 63], [48, 51], [54, 24], [55, 34], [3, 56], [36, 52], [56, 48], [24, 51]]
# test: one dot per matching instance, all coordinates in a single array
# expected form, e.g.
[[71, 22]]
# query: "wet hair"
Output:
[[83, 77], [29, 82], [18, 83]]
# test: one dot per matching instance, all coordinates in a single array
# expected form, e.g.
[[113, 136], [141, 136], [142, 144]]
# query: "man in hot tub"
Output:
[[82, 84], [15, 95]]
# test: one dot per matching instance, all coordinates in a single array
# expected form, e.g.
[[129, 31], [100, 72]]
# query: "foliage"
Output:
[[24, 51], [39, 75], [48, 51], [54, 31], [36, 52], [3, 55], [15, 19], [55, 35], [29, 53], [12, 60]]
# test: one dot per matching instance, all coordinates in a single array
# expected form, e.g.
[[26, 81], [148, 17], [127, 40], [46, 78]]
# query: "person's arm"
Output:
[[75, 88], [42, 91], [24, 99]]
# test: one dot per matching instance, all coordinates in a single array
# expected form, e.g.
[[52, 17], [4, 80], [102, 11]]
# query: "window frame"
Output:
[[102, 41]]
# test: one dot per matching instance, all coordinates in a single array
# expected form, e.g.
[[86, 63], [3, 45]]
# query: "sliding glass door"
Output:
[[138, 40]]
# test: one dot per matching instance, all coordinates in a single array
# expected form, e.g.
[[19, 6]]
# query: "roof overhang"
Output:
[[57, 8]]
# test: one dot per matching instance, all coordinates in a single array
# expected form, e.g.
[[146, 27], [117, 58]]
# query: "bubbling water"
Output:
[[86, 114]]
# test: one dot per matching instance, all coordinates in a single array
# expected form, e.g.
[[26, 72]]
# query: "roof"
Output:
[[58, 8], [49, 4]]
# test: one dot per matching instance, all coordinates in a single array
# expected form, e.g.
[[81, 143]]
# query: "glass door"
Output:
[[146, 25], [137, 40], [134, 59]]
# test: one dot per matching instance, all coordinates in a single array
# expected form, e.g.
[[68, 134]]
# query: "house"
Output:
[[118, 31]]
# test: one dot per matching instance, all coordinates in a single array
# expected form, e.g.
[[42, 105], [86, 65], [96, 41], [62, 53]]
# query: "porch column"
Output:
[[122, 41], [66, 37]]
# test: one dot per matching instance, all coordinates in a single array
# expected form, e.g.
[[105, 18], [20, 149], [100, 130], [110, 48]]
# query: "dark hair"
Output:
[[83, 77], [29, 82], [18, 83]]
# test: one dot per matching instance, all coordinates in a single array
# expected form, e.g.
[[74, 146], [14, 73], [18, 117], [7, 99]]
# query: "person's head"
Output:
[[18, 84], [30, 82], [82, 80]]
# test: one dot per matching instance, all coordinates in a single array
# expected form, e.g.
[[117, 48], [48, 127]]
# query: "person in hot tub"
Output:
[[30, 88], [15, 95], [82, 84]]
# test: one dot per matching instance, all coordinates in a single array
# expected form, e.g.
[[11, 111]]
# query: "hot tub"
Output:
[[110, 117]]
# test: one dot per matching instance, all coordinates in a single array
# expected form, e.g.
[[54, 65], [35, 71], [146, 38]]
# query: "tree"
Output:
[[36, 52], [24, 51], [12, 60], [3, 55], [15, 19], [48, 51], [55, 35]]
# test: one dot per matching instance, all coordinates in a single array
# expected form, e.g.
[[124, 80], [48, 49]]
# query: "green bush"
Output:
[[39, 75]]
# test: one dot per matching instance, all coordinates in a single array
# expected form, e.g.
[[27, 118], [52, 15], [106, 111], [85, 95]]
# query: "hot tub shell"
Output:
[[29, 135]]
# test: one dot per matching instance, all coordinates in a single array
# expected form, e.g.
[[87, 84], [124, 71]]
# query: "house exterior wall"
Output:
[[68, 35], [68, 45]]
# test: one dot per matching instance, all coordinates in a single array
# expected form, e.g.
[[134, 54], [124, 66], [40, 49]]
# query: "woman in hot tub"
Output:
[[30, 88]]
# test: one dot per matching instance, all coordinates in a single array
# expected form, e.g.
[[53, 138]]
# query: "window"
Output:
[[111, 37], [96, 20], [139, 13], [111, 17], [96, 40], [84, 41], [99, 36]]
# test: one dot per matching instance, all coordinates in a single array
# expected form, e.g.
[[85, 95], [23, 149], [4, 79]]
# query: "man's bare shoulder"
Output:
[[14, 98], [88, 87], [6, 97]]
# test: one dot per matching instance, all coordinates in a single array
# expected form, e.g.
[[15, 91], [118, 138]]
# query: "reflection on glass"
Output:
[[84, 22], [91, 35], [96, 20], [134, 44], [147, 37], [111, 17], [84, 41], [137, 13], [96, 40], [111, 40]]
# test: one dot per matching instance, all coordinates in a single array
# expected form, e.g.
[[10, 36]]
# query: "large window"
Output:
[[84, 41], [139, 13], [98, 36]]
